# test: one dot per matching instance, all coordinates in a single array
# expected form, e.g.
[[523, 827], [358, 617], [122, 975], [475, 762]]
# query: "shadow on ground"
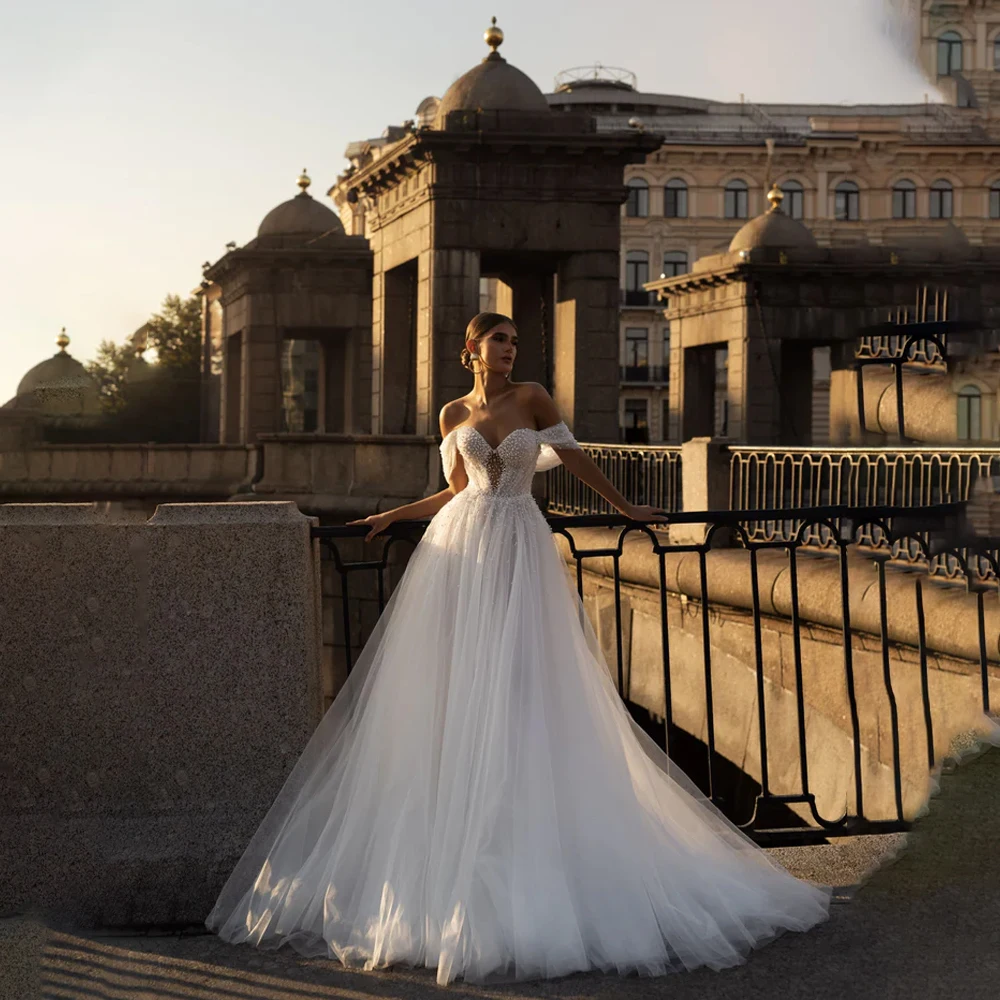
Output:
[[927, 925]]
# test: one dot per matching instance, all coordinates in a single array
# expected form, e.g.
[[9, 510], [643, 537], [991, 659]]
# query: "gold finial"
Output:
[[62, 341], [304, 180], [775, 196], [493, 37]]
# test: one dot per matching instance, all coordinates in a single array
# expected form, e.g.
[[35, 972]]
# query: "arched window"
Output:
[[675, 199], [792, 205], [949, 53], [674, 262], [636, 275], [942, 200], [845, 201], [736, 200], [995, 200], [970, 413], [904, 200], [637, 203]]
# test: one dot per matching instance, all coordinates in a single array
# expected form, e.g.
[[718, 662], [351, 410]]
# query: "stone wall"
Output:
[[952, 640], [159, 681]]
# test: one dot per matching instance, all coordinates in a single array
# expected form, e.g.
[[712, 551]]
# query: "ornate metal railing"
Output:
[[649, 474], [781, 479], [788, 809]]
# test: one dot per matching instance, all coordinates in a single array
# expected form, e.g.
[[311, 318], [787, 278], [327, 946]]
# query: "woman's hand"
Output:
[[643, 512], [378, 522]]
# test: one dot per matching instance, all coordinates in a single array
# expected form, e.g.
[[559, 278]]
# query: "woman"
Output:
[[478, 799]]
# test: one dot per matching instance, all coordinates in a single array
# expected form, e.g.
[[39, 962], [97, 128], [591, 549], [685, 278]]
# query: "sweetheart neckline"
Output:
[[454, 430]]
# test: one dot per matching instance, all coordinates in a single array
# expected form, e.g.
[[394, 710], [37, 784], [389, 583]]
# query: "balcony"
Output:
[[638, 297], [645, 374]]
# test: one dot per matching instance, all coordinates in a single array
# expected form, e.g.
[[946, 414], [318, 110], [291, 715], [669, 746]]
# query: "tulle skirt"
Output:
[[479, 801]]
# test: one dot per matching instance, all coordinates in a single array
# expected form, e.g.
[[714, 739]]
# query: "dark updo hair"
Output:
[[478, 327]]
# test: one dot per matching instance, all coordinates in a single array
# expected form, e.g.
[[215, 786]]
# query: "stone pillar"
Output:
[[844, 426], [754, 414], [447, 298], [705, 487], [399, 332], [261, 403], [527, 299], [585, 352], [231, 429]]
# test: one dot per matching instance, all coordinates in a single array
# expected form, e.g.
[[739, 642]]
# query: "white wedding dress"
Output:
[[478, 799]]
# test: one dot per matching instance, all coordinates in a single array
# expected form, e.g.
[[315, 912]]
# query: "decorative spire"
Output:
[[493, 37], [62, 341], [304, 180], [775, 196]]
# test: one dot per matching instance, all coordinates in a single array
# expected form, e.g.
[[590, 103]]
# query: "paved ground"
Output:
[[926, 925]]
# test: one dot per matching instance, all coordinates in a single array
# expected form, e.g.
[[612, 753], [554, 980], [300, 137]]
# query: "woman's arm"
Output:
[[426, 506], [583, 466]]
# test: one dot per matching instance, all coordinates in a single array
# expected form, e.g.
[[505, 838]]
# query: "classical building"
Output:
[[864, 174], [56, 397], [287, 328], [491, 187]]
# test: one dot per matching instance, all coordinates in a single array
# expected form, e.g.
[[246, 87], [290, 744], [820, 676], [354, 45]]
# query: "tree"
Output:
[[175, 332], [110, 368], [165, 404]]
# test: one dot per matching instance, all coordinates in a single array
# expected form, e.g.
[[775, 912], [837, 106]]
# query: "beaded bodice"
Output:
[[507, 469]]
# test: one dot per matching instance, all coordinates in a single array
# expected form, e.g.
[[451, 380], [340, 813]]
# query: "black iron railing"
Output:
[[786, 810], [646, 474], [781, 479]]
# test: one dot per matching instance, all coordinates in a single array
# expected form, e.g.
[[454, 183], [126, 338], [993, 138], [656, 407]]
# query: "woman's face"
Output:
[[498, 347]]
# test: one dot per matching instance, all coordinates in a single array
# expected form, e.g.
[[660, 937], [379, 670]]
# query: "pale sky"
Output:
[[138, 138]]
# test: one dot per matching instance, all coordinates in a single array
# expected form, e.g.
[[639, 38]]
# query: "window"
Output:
[[970, 421], [675, 199], [942, 200], [996, 53], [666, 346], [845, 202], [635, 429], [949, 53], [637, 203], [904, 200], [636, 275], [995, 200], [674, 262], [793, 203], [736, 200], [636, 347], [665, 417]]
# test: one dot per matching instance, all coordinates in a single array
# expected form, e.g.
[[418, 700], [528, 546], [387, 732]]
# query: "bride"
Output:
[[478, 800]]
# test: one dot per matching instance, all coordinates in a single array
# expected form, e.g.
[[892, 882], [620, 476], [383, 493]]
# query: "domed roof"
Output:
[[773, 229], [62, 370], [300, 216], [493, 85], [60, 385]]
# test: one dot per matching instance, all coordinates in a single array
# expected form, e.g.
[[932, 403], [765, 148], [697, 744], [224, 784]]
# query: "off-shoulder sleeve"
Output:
[[556, 436], [449, 453]]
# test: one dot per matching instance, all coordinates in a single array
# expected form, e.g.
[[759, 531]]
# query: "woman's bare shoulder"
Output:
[[538, 403], [452, 414]]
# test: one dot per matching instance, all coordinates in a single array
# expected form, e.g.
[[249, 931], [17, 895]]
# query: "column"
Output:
[[399, 350], [447, 298], [261, 382], [527, 299], [231, 429], [585, 349]]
